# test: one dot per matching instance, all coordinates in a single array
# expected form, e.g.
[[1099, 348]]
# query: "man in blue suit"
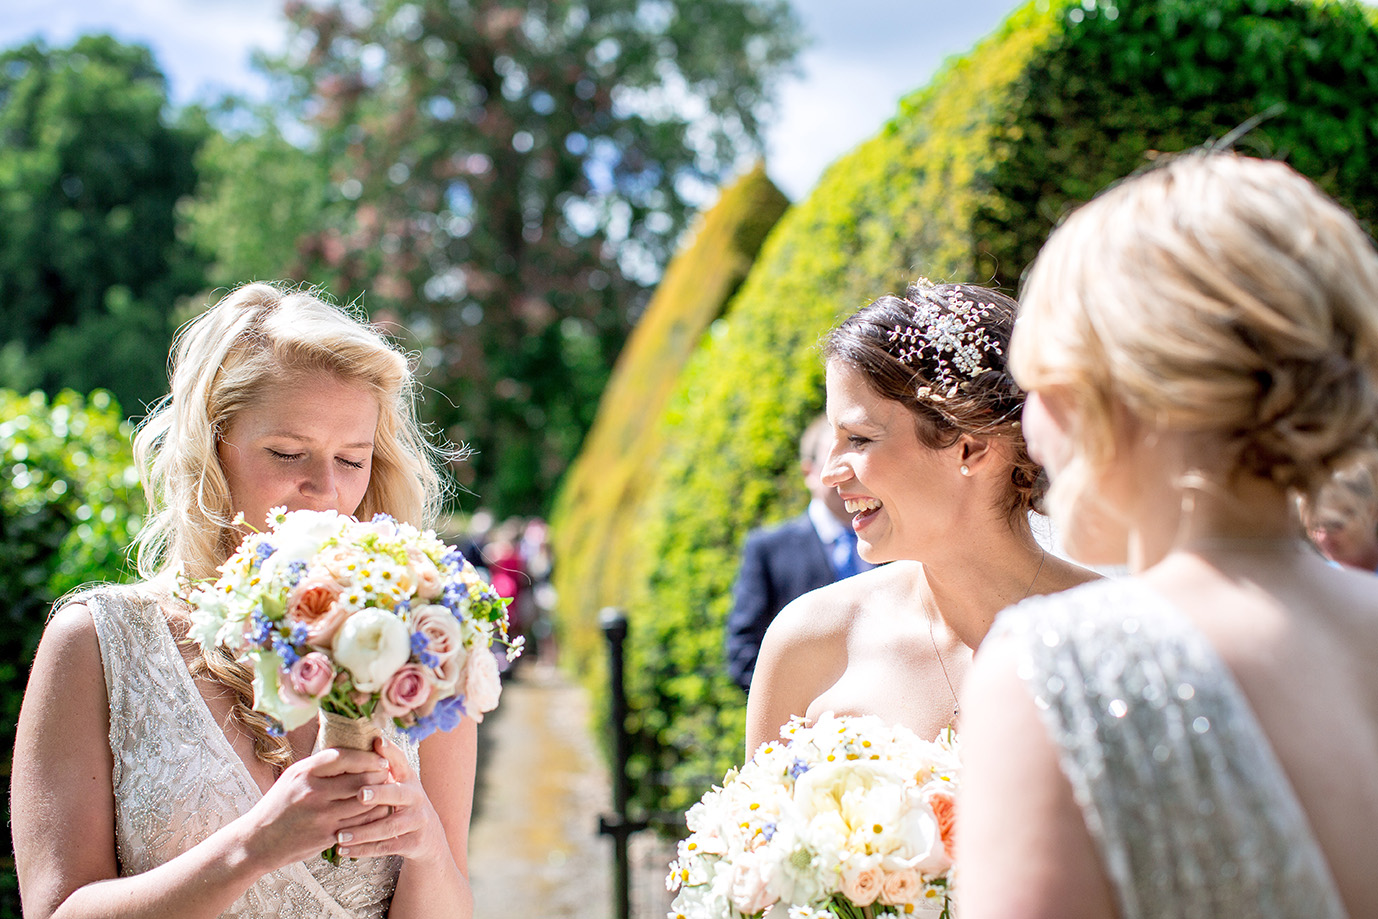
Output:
[[782, 562]]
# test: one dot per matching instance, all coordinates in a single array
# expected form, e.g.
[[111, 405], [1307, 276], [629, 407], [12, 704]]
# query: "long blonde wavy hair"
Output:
[[1215, 294], [222, 361]]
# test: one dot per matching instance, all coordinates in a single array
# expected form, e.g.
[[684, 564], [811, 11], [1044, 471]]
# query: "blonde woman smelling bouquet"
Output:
[[1199, 739], [144, 783], [928, 455]]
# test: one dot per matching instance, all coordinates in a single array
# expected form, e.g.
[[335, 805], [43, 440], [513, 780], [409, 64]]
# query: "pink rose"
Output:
[[444, 640], [482, 685], [408, 689], [311, 676], [428, 579], [863, 885], [902, 886], [314, 603]]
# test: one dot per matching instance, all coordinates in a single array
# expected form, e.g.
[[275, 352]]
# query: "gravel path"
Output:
[[534, 848]]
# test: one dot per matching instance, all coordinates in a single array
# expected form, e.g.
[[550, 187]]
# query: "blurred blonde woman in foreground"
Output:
[[1201, 738], [144, 784]]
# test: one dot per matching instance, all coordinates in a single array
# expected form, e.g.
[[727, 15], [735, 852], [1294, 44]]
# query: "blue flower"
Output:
[[261, 628], [453, 557], [799, 768], [403, 607], [383, 518], [261, 552], [299, 633], [295, 572], [444, 717], [419, 642], [768, 831], [284, 650]]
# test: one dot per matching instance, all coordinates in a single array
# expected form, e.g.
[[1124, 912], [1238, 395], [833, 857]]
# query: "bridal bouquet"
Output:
[[846, 818], [365, 623]]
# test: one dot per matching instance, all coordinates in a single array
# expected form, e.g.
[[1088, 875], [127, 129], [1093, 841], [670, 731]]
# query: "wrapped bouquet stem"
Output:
[[345, 732]]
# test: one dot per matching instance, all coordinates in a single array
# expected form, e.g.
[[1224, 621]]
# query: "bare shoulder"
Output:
[[829, 613], [70, 636], [1061, 574]]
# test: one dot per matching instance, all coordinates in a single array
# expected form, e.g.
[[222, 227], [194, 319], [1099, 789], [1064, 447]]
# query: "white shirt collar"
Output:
[[827, 526]]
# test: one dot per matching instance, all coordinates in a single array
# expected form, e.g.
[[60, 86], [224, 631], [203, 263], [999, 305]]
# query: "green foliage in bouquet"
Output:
[[596, 513], [963, 184], [70, 505]]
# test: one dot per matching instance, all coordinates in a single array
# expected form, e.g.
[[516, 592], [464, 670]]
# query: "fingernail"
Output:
[[342, 851], [366, 795], [343, 836], [382, 764]]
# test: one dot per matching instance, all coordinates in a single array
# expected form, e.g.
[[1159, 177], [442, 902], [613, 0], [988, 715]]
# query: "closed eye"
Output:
[[285, 457], [351, 463], [856, 440]]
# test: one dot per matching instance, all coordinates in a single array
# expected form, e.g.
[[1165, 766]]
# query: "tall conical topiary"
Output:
[[597, 510], [963, 184]]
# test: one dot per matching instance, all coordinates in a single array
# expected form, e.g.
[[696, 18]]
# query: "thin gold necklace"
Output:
[[932, 616]]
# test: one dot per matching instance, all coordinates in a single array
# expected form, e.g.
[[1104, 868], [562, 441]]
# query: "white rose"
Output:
[[482, 683], [299, 537], [372, 645]]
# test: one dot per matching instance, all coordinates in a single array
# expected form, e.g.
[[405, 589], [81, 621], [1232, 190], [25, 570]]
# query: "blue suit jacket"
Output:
[[778, 564]]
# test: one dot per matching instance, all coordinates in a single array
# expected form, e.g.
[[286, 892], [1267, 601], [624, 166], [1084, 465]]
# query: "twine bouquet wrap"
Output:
[[843, 819], [359, 625]]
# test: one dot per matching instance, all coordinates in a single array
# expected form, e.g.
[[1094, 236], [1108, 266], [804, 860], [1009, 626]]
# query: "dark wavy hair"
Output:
[[941, 351]]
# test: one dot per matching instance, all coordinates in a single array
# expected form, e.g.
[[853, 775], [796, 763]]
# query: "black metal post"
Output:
[[616, 824]]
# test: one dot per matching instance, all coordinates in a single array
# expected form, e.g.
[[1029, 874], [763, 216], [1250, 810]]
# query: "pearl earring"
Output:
[[966, 470]]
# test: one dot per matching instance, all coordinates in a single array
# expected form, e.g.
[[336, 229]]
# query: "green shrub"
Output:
[[600, 498], [70, 504], [963, 184]]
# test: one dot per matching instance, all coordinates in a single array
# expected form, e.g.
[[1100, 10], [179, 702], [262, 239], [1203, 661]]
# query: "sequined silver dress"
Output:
[[177, 780], [1190, 809]]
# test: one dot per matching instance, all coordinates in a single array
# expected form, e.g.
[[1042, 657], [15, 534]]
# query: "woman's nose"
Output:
[[835, 472], [319, 481]]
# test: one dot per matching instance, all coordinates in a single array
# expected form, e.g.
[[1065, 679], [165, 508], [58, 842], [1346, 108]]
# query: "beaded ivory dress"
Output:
[[177, 779], [1191, 811]]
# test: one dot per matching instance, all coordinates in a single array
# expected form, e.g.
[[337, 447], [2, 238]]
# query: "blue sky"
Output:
[[863, 57]]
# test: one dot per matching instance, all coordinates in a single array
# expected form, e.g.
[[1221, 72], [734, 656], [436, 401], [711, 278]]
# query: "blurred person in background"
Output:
[[1342, 520], [786, 561]]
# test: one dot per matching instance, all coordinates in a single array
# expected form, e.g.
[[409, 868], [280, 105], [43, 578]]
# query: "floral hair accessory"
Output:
[[948, 331]]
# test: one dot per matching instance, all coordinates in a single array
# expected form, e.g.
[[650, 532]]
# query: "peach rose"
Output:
[[337, 562], [944, 805], [902, 886], [407, 691], [314, 603], [863, 885], [428, 579]]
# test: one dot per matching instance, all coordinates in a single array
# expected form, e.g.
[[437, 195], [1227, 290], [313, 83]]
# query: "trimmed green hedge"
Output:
[[596, 512], [70, 504], [963, 184]]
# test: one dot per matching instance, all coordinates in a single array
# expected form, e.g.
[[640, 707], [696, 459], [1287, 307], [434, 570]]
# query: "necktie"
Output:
[[845, 559]]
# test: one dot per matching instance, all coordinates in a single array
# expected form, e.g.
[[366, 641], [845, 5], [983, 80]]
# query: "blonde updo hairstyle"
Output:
[[256, 337], [902, 347], [1216, 295]]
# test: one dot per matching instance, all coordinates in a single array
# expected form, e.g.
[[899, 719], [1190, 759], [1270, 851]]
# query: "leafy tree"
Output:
[[90, 174], [518, 173], [258, 197]]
